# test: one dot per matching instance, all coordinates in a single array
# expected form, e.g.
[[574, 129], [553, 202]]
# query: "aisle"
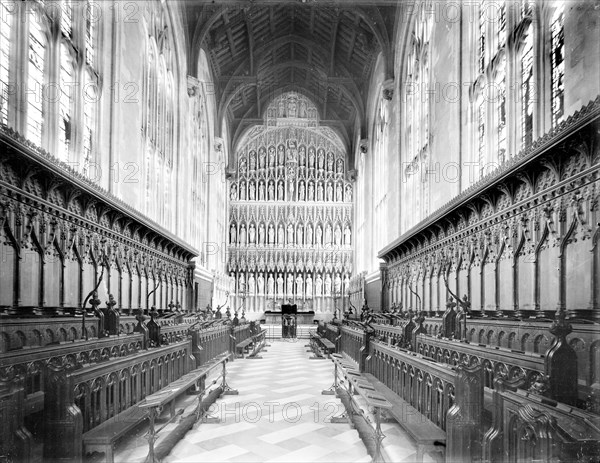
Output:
[[279, 415]]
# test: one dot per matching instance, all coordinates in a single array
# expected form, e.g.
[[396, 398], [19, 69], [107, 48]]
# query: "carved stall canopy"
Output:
[[520, 242], [51, 214], [261, 49]]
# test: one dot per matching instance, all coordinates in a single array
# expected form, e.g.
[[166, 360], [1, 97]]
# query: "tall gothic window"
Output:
[[527, 88], [37, 63], [417, 99], [7, 12], [501, 111], [65, 103], [481, 145], [557, 30], [159, 121]]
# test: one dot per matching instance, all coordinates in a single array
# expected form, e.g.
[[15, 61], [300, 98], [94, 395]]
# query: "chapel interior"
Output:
[[381, 216]]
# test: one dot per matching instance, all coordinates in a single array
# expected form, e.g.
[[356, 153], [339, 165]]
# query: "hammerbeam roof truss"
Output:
[[258, 49]]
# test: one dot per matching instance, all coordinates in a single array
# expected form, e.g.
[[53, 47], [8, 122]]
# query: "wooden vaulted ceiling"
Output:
[[260, 48]]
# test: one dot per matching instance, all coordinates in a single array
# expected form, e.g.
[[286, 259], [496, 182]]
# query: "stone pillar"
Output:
[[464, 419]]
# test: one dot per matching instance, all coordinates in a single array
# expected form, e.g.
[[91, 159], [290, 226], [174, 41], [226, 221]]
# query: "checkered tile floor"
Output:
[[279, 415]]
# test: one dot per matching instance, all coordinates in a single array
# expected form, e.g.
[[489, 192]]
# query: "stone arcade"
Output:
[[387, 208]]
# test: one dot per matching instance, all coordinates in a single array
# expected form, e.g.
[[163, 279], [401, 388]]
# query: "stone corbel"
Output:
[[387, 89], [364, 145], [219, 143]]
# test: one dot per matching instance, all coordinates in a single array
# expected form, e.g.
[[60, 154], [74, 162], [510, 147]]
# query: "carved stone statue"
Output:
[[311, 191], [328, 285], [241, 283], [251, 234], [261, 191], [318, 285], [329, 192], [251, 283], [301, 191], [290, 283], [291, 190], [299, 285], [262, 156], [319, 191], [271, 234], [309, 283], [271, 157], [347, 236], [311, 157], [327, 235], [243, 191], [339, 166], [338, 193], [280, 285], [270, 284], [337, 283], [318, 236], [321, 159], [348, 193], [233, 194], [302, 156], [280, 236], [309, 235], [260, 282], [243, 235], [299, 236], [261, 234], [271, 191], [338, 235], [280, 191], [232, 234], [290, 234]]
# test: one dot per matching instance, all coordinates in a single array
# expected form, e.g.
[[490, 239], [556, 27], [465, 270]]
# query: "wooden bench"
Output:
[[258, 342], [328, 346], [427, 435], [314, 345], [104, 437], [357, 383], [242, 347], [319, 342]]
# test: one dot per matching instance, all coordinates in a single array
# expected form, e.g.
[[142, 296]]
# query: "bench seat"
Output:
[[104, 437], [427, 435], [241, 346]]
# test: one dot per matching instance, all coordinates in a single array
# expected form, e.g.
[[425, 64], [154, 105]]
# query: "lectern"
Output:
[[288, 320]]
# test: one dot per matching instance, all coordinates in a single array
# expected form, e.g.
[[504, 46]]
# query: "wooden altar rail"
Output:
[[425, 385], [80, 400], [532, 336], [497, 362], [211, 342], [353, 342]]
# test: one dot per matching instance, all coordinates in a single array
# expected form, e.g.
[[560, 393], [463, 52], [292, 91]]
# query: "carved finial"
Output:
[[541, 386], [560, 326]]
